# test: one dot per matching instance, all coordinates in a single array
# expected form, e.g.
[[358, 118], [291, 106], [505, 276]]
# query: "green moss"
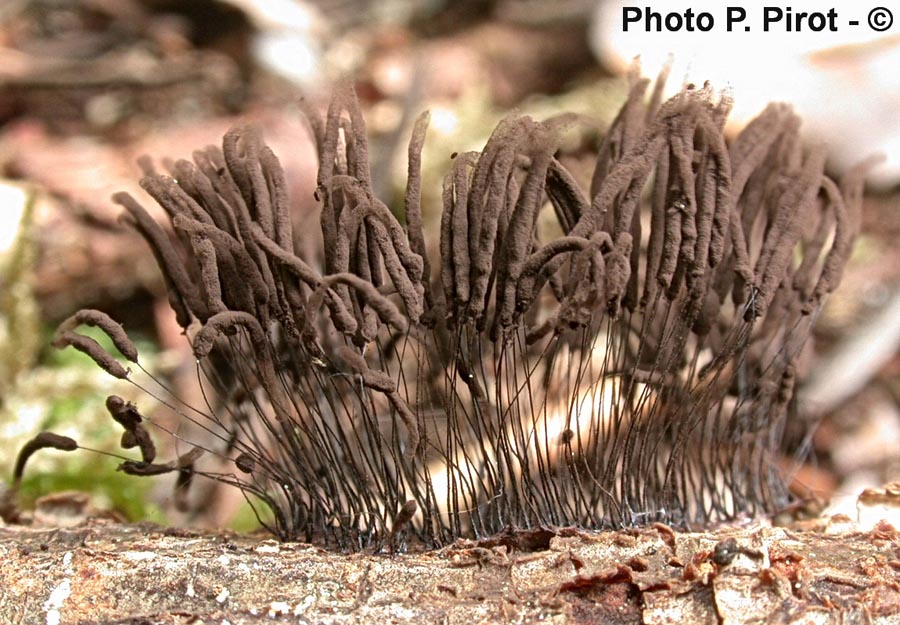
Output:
[[245, 520], [98, 477]]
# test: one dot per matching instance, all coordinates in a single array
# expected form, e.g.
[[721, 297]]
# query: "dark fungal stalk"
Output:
[[44, 440], [637, 368], [9, 504]]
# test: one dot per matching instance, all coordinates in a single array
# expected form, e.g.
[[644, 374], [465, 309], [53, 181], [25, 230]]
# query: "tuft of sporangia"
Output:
[[638, 367]]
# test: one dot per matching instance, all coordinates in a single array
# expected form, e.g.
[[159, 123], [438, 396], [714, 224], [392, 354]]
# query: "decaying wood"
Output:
[[103, 572]]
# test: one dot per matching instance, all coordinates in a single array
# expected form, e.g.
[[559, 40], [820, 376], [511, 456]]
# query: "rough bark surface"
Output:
[[103, 572]]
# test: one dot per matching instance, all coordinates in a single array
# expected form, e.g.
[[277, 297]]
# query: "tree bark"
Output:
[[104, 572]]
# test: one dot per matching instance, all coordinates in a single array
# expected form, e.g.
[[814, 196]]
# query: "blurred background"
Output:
[[88, 86]]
